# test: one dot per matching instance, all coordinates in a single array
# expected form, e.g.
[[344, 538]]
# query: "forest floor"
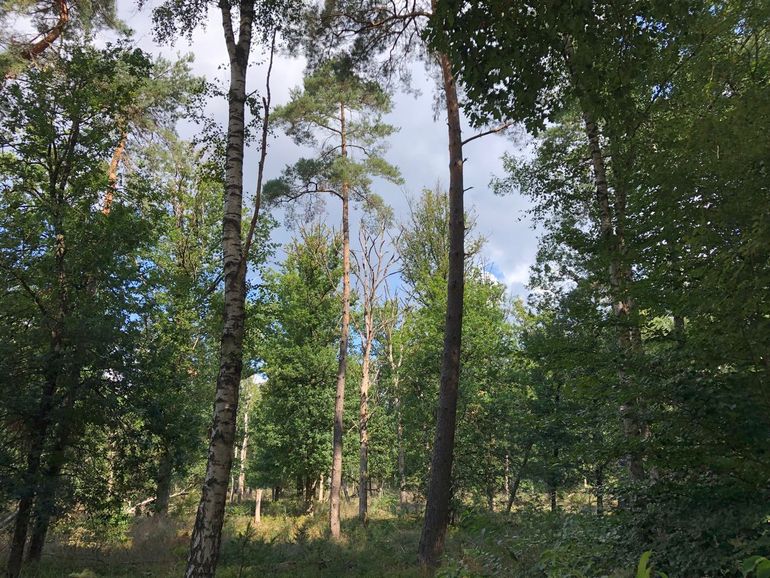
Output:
[[285, 544]]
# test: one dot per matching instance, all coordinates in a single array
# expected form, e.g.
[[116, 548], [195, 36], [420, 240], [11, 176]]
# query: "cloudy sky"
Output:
[[419, 149]]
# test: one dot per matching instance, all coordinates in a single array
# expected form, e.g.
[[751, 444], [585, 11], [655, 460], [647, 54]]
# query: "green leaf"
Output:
[[762, 569], [642, 570], [749, 564]]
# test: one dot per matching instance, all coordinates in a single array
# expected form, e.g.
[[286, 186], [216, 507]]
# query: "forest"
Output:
[[238, 339]]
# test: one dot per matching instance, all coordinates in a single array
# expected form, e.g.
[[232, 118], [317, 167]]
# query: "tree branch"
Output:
[[495, 130]]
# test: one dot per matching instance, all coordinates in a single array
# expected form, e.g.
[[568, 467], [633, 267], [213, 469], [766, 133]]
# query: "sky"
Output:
[[418, 149]]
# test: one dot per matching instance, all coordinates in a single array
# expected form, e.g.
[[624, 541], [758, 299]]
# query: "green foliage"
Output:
[[757, 566], [335, 109], [298, 346]]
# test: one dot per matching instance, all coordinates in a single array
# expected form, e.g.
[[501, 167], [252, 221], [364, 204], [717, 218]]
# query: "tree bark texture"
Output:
[[339, 402], [440, 487], [207, 532], [112, 175]]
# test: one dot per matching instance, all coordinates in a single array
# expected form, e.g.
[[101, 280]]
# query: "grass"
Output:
[[283, 544], [530, 543]]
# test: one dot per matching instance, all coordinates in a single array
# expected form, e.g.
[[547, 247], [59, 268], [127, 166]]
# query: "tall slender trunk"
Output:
[[309, 490], [241, 487], [43, 418], [258, 507], [440, 486], [207, 532], [363, 419], [628, 336], [402, 497], [519, 476], [599, 490], [612, 230], [552, 482], [163, 483], [507, 474], [339, 402]]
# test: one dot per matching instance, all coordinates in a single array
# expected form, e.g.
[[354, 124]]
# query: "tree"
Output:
[[348, 111], [175, 352], [382, 29], [53, 21], [299, 341], [605, 60], [66, 269], [262, 20], [372, 272]]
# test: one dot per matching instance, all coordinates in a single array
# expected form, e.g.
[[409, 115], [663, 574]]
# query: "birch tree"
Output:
[[256, 21]]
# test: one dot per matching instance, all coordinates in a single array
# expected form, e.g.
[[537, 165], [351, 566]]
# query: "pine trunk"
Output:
[[112, 176], [207, 532], [339, 402], [440, 486]]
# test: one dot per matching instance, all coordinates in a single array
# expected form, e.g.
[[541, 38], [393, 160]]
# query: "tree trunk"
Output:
[[32, 51], [46, 498], [339, 402], [34, 462], [363, 419], [507, 474], [599, 490], [241, 487], [117, 156], [42, 421], [612, 229], [619, 277], [402, 497], [207, 532], [258, 507], [321, 488], [517, 480], [440, 486], [163, 486]]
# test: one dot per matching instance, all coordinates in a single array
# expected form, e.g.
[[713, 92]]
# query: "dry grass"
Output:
[[284, 544]]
